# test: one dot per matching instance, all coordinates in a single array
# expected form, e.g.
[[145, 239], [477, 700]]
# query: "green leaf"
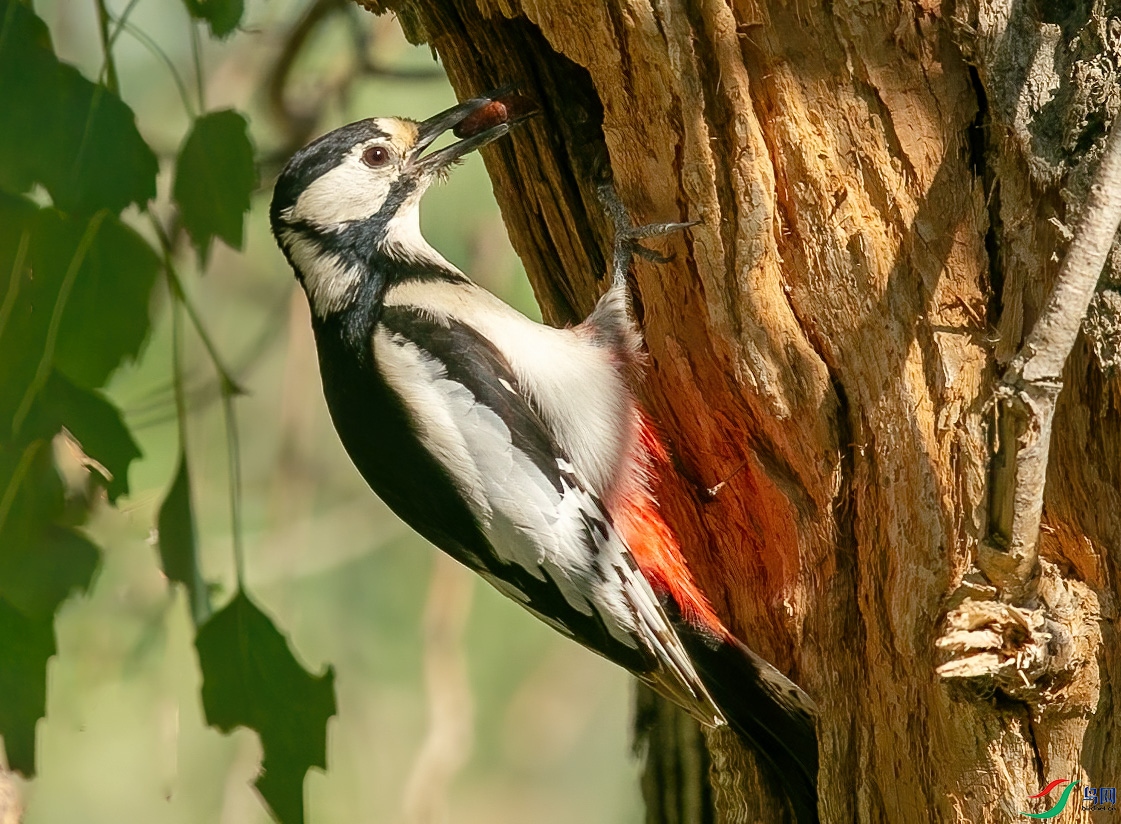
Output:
[[102, 316], [41, 563], [59, 129], [214, 178], [251, 679], [175, 526], [106, 316], [25, 647], [39, 573], [95, 423], [23, 320], [222, 15], [106, 319], [31, 492]]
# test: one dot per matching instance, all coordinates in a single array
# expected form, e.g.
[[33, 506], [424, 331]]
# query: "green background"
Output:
[[124, 739]]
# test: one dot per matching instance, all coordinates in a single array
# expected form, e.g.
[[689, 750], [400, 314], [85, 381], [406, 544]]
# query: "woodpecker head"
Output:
[[350, 200]]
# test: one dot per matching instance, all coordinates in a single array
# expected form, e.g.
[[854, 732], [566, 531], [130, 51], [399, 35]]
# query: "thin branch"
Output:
[[447, 744], [157, 408], [198, 596], [11, 802], [228, 388], [154, 48], [1029, 390], [119, 22], [297, 125], [365, 42]]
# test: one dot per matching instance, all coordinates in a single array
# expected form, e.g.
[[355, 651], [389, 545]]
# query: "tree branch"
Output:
[[447, 744], [11, 805], [1029, 390]]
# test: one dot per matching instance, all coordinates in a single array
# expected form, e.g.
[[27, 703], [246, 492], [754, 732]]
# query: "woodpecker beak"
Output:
[[454, 117]]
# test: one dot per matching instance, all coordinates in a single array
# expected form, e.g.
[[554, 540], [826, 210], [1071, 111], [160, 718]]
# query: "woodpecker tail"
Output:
[[769, 713]]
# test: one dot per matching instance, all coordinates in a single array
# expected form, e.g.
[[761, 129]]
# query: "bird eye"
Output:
[[375, 156]]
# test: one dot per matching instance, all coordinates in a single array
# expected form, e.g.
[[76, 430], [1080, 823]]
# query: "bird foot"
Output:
[[628, 235]]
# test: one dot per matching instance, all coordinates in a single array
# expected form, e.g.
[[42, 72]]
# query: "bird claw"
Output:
[[648, 254], [628, 235], [656, 229]]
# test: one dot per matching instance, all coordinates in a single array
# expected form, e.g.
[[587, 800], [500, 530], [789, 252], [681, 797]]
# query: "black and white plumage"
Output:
[[511, 445]]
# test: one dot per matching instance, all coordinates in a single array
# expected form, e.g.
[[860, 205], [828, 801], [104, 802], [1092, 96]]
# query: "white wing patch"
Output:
[[525, 519], [574, 385], [563, 537], [416, 379], [624, 588]]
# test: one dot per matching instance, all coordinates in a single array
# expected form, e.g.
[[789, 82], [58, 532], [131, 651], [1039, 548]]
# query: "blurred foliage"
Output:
[[126, 136]]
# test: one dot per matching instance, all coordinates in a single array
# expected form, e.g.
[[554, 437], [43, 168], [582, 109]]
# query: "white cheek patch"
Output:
[[330, 284], [350, 191]]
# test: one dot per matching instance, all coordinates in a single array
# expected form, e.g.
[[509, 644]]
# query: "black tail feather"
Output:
[[768, 711]]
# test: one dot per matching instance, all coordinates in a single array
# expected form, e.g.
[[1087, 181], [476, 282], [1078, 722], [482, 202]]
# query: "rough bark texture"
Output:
[[884, 193]]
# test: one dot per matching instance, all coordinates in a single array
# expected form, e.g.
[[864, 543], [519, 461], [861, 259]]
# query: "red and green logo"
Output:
[[1060, 805]]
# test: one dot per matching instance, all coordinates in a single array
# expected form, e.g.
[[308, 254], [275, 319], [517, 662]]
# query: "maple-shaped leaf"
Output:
[[60, 129], [251, 679], [214, 180]]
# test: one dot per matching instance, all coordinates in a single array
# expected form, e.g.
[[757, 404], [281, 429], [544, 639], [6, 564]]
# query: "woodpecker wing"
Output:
[[552, 546]]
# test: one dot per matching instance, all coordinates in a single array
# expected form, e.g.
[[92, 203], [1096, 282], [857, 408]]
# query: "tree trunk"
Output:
[[884, 191]]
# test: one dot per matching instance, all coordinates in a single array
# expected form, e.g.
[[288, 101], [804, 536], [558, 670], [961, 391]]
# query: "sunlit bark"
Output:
[[876, 238]]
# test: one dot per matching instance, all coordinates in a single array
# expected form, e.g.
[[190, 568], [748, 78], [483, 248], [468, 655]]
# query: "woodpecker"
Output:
[[517, 448]]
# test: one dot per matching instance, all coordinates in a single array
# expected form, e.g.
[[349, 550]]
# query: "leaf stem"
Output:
[[14, 282], [177, 372], [108, 65], [119, 22], [228, 388], [228, 385], [161, 55], [233, 450], [197, 594], [14, 483], [196, 55]]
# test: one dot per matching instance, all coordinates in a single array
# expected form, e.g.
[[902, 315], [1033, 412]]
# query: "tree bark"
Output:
[[884, 193]]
